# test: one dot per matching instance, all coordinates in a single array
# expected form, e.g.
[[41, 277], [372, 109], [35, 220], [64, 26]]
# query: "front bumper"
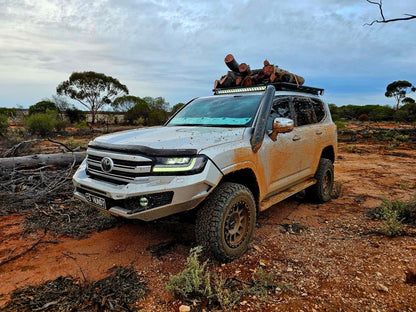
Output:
[[184, 192]]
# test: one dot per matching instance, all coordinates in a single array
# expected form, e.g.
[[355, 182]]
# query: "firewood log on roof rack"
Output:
[[240, 78], [279, 86]]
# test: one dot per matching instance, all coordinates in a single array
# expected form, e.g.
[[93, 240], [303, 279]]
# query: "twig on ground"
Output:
[[19, 255]]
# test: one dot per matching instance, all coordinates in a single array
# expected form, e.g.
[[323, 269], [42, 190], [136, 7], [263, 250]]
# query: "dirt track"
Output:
[[332, 256]]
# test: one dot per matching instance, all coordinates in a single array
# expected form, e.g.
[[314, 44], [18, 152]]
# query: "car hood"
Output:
[[171, 138]]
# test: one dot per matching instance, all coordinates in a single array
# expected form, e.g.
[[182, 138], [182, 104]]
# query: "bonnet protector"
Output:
[[142, 150]]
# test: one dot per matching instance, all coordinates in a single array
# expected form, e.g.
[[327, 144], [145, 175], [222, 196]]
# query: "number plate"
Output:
[[95, 200]]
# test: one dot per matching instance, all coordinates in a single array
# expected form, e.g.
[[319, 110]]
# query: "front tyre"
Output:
[[225, 222], [322, 190]]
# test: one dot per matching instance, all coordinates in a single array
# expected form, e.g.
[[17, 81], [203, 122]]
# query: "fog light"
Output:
[[144, 202]]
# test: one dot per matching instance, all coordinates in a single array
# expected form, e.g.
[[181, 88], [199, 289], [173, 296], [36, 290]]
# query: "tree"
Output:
[[408, 100], [157, 103], [176, 107], [42, 107], [158, 110], [61, 105], [92, 90], [406, 112], [398, 89], [140, 111], [125, 103], [383, 19], [74, 114]]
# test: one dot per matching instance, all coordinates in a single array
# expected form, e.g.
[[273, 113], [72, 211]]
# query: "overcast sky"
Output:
[[176, 49]]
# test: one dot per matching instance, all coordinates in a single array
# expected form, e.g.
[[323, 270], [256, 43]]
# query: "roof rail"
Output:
[[279, 86]]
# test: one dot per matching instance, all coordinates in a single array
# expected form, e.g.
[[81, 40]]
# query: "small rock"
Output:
[[184, 308], [381, 287], [304, 295], [289, 269], [257, 248], [379, 274], [243, 302]]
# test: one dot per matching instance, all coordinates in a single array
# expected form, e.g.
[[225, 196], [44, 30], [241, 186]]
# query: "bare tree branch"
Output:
[[383, 19]]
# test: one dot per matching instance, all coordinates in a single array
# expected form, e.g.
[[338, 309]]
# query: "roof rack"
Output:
[[279, 86]]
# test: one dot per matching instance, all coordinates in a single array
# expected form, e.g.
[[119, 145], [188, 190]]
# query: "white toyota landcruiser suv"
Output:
[[230, 156]]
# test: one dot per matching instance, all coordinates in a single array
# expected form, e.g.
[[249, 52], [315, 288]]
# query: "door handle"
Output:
[[296, 138]]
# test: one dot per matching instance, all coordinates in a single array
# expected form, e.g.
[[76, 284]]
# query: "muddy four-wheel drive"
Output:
[[230, 156]]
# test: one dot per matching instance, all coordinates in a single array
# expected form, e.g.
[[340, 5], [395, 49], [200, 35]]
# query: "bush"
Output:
[[406, 113], [340, 125], [381, 113], [42, 124], [138, 111], [4, 124], [81, 125], [74, 115], [194, 281], [394, 213], [42, 107]]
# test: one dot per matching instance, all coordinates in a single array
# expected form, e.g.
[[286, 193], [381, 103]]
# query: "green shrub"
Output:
[[227, 292], [61, 125], [264, 283], [394, 213], [340, 125], [42, 124], [42, 107], [406, 112], [4, 124], [81, 125], [194, 281], [392, 225]]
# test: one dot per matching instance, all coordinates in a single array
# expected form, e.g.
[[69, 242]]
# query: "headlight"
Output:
[[185, 165]]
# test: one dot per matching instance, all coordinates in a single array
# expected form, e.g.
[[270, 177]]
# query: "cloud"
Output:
[[176, 48]]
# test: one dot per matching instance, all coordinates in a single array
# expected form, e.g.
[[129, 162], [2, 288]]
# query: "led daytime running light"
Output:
[[175, 168]]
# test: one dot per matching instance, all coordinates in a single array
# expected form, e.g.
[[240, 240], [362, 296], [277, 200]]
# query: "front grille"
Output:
[[125, 169]]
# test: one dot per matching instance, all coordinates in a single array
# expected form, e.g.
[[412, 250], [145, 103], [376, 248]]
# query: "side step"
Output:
[[270, 201]]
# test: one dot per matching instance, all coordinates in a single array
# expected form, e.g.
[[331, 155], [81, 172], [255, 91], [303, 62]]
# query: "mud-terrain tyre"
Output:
[[322, 190], [225, 222]]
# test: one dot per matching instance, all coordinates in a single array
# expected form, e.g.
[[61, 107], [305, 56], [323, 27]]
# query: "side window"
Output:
[[318, 107], [304, 111], [280, 108]]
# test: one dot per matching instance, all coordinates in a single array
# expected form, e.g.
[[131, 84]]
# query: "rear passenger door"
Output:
[[309, 113]]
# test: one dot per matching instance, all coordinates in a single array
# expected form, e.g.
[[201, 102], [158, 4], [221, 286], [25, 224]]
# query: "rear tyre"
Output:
[[225, 222], [322, 190]]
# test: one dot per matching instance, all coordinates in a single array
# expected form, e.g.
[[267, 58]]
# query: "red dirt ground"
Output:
[[337, 263]]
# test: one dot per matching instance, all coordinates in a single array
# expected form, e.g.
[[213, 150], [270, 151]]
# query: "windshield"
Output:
[[218, 111]]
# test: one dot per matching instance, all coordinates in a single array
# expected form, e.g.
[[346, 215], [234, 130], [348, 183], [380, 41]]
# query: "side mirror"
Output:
[[281, 125]]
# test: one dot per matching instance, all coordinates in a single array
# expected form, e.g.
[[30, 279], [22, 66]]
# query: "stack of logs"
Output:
[[242, 75]]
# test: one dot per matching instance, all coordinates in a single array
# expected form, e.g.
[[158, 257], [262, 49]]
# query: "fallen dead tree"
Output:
[[42, 160], [243, 75]]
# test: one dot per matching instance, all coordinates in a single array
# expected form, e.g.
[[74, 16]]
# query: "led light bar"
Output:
[[279, 86], [240, 90]]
